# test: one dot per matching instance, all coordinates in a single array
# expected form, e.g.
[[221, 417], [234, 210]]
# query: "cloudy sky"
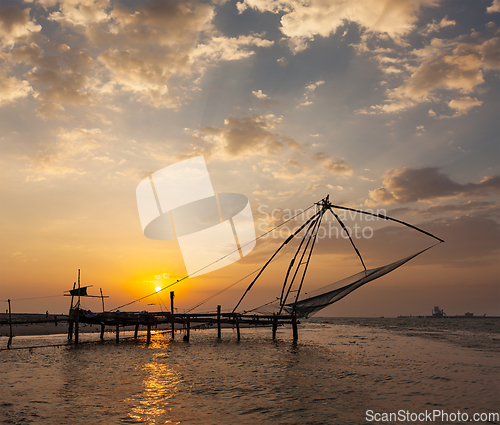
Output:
[[389, 105]]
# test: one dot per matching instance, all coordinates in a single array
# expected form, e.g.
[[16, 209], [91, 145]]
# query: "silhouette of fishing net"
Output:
[[329, 294]]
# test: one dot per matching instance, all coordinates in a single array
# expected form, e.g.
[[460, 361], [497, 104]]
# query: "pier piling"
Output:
[[10, 325], [172, 311], [294, 327], [136, 331], [76, 326], [188, 331], [70, 329], [238, 328], [275, 326], [219, 332]]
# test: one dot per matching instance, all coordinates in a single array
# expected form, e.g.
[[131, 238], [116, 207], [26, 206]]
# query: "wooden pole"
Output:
[[188, 330], [294, 327], [76, 326], [136, 331], [238, 328], [117, 334], [10, 325], [10, 319], [102, 330], [77, 321], [172, 311], [70, 329], [275, 326], [102, 299], [148, 336], [70, 321], [219, 333]]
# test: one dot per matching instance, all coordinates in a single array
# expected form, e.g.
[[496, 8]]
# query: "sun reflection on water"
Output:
[[154, 404]]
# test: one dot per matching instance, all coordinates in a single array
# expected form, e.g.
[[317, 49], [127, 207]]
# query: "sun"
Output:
[[158, 289]]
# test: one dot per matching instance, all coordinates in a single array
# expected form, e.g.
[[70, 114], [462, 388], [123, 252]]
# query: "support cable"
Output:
[[226, 288], [276, 252], [308, 259], [301, 258], [208, 265], [313, 229], [388, 218], [347, 232], [292, 262]]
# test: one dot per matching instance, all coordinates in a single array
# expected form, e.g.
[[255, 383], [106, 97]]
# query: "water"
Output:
[[339, 369]]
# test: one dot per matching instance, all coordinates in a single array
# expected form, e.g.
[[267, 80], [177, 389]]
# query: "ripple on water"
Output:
[[333, 375]]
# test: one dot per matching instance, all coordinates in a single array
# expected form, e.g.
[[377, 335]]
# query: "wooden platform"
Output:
[[176, 321]]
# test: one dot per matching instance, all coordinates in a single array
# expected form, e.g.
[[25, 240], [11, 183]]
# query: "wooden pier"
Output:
[[178, 321]]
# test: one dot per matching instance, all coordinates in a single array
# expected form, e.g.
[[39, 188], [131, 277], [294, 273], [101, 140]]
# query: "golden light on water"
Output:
[[159, 386]]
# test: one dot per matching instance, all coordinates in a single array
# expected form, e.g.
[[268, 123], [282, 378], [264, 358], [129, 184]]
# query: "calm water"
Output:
[[339, 369]]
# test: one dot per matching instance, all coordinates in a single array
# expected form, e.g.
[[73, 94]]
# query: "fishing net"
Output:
[[329, 294]]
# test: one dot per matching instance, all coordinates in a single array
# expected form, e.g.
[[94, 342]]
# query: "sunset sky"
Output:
[[382, 104]]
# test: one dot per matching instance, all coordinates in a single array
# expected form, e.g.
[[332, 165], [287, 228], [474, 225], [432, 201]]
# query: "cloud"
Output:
[[12, 89], [78, 12], [69, 155], [15, 25], [454, 66], [434, 27], [302, 21], [469, 207], [495, 7], [139, 73], [156, 52], [259, 94], [229, 49], [463, 105], [151, 50], [256, 136], [406, 184], [155, 48], [313, 86], [251, 135], [58, 76], [308, 90], [470, 241], [333, 165]]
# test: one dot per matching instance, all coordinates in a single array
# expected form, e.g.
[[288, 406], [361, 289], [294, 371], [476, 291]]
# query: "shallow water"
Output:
[[339, 369]]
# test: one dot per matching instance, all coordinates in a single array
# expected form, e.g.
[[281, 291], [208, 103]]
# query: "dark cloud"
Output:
[[156, 52], [248, 136], [410, 185], [333, 165], [12, 17], [15, 24]]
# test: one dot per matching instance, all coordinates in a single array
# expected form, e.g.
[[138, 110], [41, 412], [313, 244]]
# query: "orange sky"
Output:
[[381, 105]]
